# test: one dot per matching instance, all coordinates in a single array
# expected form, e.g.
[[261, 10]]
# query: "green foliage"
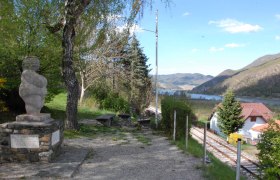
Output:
[[138, 79], [23, 34], [269, 154], [229, 114], [116, 103], [203, 108], [58, 104], [215, 170], [3, 107], [108, 99], [182, 107]]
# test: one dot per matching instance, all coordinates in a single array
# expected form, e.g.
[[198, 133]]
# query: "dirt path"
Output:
[[130, 155], [131, 159]]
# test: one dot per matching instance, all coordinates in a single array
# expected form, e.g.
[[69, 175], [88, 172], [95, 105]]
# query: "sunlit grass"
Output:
[[203, 108], [216, 169], [58, 105]]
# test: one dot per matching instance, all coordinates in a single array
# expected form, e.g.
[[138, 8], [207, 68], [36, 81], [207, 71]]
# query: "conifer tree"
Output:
[[229, 114], [139, 80]]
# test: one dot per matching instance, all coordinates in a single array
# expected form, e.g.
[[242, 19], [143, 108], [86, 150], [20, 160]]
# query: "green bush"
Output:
[[183, 108], [109, 100], [115, 103], [269, 154]]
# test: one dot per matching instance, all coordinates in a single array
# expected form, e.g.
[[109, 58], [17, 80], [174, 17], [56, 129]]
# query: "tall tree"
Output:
[[229, 114], [73, 11], [97, 61], [139, 80]]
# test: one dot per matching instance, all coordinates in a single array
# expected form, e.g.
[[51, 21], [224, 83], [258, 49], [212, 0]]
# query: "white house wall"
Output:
[[214, 123], [245, 131]]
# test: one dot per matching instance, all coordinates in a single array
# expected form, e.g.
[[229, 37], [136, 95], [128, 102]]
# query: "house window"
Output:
[[253, 119]]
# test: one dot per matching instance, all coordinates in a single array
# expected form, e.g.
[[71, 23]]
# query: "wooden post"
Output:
[[174, 131]]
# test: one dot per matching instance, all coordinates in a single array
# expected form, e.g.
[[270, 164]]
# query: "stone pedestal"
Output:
[[30, 138]]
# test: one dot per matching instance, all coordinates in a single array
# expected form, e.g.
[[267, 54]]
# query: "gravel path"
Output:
[[112, 156], [130, 159]]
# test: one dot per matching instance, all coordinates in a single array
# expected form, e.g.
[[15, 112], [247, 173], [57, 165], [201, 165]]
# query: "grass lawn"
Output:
[[216, 169], [203, 108], [58, 105]]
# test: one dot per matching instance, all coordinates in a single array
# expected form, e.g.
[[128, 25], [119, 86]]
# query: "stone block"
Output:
[[34, 117], [44, 148], [46, 156], [33, 157], [21, 157], [48, 134], [26, 131], [45, 138], [44, 143], [5, 141], [5, 130]]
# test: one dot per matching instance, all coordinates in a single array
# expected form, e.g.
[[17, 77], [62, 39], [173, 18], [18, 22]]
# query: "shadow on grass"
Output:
[[91, 131]]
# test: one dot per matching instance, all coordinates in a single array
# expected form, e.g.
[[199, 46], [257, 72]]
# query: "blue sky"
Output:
[[209, 36]]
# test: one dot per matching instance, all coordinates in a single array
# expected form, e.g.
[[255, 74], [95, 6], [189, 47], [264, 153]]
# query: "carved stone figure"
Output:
[[33, 86]]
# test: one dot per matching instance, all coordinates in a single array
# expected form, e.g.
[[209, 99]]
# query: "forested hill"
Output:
[[182, 81], [260, 78]]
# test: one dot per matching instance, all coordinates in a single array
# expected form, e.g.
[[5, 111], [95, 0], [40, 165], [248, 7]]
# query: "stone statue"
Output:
[[33, 86]]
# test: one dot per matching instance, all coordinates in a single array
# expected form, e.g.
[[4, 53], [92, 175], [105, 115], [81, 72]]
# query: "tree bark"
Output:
[[70, 78], [82, 88], [73, 8]]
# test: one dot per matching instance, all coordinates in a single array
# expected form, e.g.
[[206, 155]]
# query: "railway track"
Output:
[[226, 153]]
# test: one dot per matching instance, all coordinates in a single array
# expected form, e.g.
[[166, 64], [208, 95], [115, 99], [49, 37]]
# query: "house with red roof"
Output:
[[254, 115]]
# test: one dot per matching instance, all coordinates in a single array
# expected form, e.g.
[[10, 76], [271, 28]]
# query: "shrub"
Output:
[[182, 107], [233, 137], [115, 103], [269, 155]]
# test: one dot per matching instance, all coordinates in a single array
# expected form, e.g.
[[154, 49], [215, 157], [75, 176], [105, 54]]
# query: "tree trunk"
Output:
[[70, 78], [73, 9]]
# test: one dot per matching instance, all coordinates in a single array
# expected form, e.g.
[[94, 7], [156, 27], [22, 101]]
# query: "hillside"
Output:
[[182, 81], [260, 78]]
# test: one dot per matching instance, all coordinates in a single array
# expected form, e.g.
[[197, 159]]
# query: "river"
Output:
[[270, 101]]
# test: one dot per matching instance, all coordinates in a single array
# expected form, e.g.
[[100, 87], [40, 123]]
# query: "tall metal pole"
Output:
[[204, 144], [238, 159], [187, 131], [156, 77], [174, 128]]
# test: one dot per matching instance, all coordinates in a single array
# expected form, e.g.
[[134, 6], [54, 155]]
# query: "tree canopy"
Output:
[[60, 33], [229, 114]]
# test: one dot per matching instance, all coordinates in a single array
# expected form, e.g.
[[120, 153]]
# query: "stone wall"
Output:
[[30, 142]]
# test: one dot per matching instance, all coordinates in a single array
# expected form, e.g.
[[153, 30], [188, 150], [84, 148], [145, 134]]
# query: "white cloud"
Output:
[[277, 37], [234, 45], [277, 16], [186, 14], [194, 50], [234, 26], [215, 49], [133, 29]]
